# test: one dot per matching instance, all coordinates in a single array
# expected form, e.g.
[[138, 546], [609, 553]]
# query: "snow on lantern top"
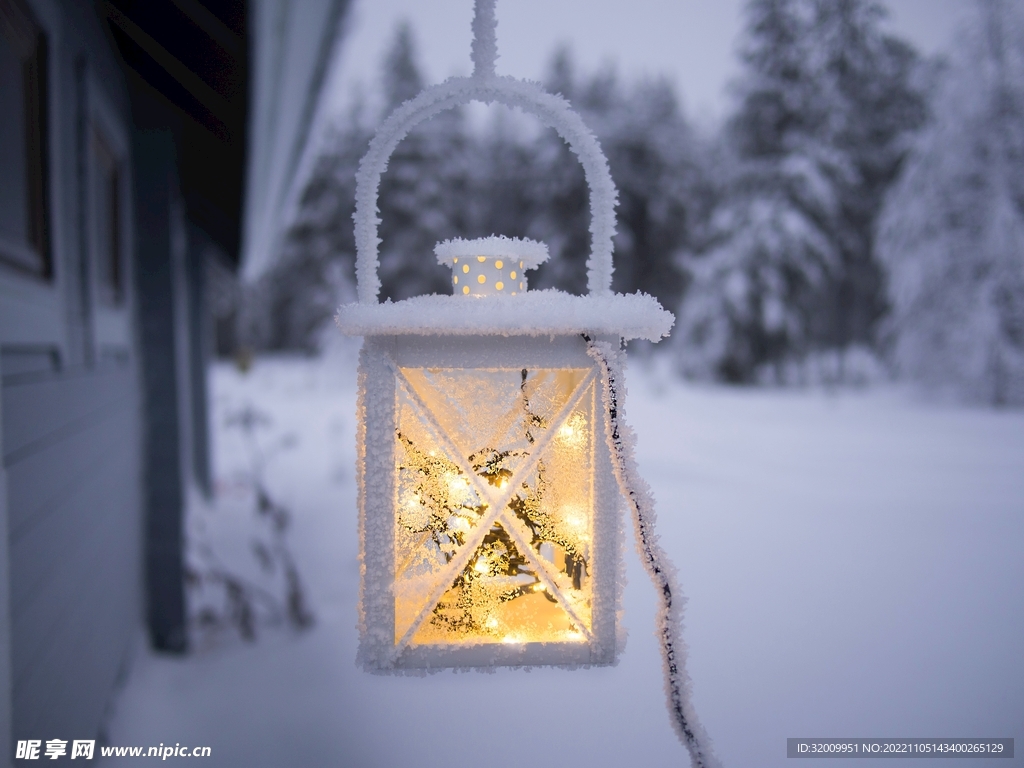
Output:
[[490, 266], [529, 253]]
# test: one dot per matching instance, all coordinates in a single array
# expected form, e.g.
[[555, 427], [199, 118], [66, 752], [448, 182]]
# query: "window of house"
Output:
[[106, 196], [23, 141]]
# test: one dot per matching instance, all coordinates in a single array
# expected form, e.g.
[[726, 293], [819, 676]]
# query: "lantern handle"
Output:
[[484, 86]]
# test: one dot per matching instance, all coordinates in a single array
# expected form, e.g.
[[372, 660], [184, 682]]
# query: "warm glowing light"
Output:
[[499, 285], [457, 485], [576, 522], [481, 279], [512, 275], [481, 259], [529, 576], [465, 289], [465, 267], [499, 264], [456, 279], [573, 433]]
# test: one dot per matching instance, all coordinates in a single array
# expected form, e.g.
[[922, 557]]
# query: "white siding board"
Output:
[[35, 557], [72, 638], [87, 653], [44, 480], [42, 411], [71, 582]]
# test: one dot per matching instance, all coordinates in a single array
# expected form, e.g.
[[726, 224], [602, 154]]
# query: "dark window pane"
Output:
[[23, 140], [13, 170], [107, 220]]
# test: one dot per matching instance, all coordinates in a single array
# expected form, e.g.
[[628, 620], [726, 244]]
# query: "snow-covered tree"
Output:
[[422, 198], [826, 102], [952, 234], [290, 304], [657, 162], [424, 195]]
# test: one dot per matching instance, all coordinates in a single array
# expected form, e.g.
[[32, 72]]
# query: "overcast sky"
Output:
[[691, 41]]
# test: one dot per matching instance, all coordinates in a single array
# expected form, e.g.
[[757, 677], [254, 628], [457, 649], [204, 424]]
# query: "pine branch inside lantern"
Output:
[[495, 503]]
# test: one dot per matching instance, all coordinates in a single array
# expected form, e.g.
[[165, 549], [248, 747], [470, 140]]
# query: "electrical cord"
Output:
[[621, 441]]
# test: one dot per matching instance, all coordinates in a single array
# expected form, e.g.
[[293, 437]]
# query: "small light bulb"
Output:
[[499, 264], [499, 285], [512, 275], [481, 279], [465, 268]]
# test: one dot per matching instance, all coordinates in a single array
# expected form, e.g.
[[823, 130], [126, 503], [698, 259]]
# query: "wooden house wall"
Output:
[[70, 421], [102, 402], [71, 455]]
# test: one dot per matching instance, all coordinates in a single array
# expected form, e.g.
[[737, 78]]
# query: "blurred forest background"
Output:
[[859, 215]]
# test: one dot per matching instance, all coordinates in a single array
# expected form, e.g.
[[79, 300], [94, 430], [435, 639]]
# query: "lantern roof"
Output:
[[530, 252], [534, 313]]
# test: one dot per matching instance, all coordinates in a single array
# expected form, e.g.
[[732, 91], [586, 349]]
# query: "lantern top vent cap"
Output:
[[530, 252]]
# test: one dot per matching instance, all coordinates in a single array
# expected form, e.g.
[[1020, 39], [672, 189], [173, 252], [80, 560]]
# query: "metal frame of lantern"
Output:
[[489, 505], [486, 547]]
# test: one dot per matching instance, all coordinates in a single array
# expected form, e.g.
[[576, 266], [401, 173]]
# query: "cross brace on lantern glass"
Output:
[[497, 539]]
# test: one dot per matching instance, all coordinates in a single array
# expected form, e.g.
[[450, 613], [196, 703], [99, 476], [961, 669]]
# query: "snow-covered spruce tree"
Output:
[[425, 193], [665, 193], [289, 305], [826, 103], [952, 234], [423, 200], [656, 161]]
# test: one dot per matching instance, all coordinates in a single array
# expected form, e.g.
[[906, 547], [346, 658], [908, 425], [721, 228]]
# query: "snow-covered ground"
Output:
[[854, 564]]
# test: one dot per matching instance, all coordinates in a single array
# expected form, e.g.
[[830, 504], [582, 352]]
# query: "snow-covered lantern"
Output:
[[488, 482]]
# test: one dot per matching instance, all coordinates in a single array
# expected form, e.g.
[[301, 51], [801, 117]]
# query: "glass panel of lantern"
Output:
[[491, 530]]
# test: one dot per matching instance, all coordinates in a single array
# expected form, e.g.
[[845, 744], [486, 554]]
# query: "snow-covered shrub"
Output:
[[224, 594]]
